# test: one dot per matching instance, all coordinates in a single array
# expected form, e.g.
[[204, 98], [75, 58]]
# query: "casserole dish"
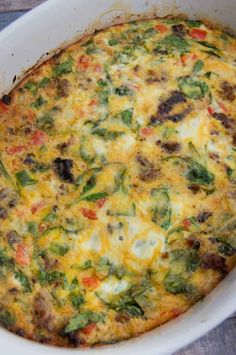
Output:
[[106, 20]]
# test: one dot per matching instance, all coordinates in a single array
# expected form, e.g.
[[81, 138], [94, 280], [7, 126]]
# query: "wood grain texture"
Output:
[[16, 5], [221, 340]]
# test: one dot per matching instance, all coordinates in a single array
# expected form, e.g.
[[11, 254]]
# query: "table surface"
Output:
[[219, 341]]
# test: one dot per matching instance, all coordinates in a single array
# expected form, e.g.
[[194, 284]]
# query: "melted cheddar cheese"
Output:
[[117, 182]]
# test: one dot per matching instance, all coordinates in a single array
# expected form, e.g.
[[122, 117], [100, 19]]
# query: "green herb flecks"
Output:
[[173, 43], [63, 68], [4, 172], [32, 87], [106, 134], [161, 212], [7, 319], [38, 103], [81, 320], [59, 249], [194, 89], [176, 283], [24, 281], [25, 179], [127, 116], [123, 91], [198, 66]]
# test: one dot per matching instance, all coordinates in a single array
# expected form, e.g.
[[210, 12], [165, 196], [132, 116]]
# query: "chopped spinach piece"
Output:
[[150, 32], [129, 301], [112, 135], [174, 43], [161, 213], [74, 284], [44, 82], [50, 277], [128, 212], [7, 319], [20, 276], [208, 45], [25, 179], [63, 68], [5, 260], [193, 23], [102, 83], [33, 228], [89, 184], [104, 96], [38, 103], [189, 257], [86, 265], [3, 171], [92, 48], [105, 134], [39, 167], [50, 217], [123, 91], [113, 42], [45, 122], [88, 158], [226, 249], [77, 299], [32, 87], [94, 197], [198, 174], [103, 267], [126, 117], [59, 249], [198, 66], [175, 283], [192, 88], [214, 53], [81, 320], [120, 181]]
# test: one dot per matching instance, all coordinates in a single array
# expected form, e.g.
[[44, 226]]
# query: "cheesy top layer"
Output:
[[117, 182]]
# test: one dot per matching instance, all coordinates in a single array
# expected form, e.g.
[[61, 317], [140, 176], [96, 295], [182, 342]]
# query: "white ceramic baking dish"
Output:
[[51, 26]]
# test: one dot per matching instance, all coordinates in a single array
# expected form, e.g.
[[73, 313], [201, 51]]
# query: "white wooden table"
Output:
[[220, 341]]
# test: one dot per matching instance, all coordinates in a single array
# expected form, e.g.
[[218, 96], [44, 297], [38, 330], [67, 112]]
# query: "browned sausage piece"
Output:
[[213, 261], [170, 147], [227, 91]]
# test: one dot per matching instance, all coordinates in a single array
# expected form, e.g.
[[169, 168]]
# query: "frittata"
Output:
[[118, 182]]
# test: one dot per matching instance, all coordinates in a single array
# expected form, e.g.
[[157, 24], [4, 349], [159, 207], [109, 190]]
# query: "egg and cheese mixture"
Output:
[[118, 183]]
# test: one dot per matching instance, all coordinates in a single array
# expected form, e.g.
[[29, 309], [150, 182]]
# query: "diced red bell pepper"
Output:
[[196, 33], [186, 223], [91, 281], [210, 110], [161, 28], [35, 207], [88, 329], [3, 106], [83, 61], [15, 149], [22, 255], [93, 102], [187, 57], [38, 138], [100, 203], [90, 214], [146, 131]]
